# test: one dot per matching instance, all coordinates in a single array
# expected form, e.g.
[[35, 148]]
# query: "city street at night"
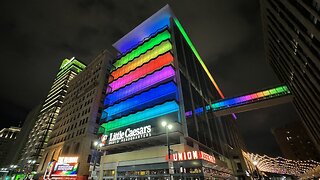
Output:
[[160, 90]]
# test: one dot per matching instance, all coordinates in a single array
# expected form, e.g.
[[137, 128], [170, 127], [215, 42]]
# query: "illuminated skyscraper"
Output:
[[77, 123], [38, 137], [160, 77], [292, 42]]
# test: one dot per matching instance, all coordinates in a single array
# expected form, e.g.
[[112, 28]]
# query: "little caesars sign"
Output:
[[130, 134]]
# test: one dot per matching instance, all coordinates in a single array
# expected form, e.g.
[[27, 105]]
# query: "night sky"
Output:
[[37, 35]]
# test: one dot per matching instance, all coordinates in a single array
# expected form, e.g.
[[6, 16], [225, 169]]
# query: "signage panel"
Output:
[[126, 135], [191, 155], [65, 166]]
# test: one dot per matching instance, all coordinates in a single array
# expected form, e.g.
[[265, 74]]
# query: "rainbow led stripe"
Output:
[[165, 46], [147, 45], [141, 85], [142, 71], [184, 34], [147, 114], [236, 101], [142, 101]]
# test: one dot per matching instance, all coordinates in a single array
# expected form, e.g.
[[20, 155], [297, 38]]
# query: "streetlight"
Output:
[[255, 163], [98, 145], [168, 127]]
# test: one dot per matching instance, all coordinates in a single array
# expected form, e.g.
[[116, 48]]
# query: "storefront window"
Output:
[[108, 172]]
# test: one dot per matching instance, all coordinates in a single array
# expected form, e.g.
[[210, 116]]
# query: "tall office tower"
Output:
[[292, 43], [295, 143], [160, 92], [16, 149], [39, 135], [7, 137], [77, 124]]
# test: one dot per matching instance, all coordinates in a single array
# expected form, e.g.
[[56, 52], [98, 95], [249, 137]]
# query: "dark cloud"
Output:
[[37, 35]]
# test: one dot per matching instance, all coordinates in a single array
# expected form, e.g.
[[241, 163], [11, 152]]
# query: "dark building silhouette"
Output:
[[7, 137], [16, 149], [295, 143], [292, 43]]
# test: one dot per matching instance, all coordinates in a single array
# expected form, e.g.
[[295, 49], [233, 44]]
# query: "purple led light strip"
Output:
[[139, 86]]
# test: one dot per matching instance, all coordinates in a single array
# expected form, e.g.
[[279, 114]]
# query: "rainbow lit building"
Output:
[[159, 76]]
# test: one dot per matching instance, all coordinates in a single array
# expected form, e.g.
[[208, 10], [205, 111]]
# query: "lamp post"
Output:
[[97, 145], [255, 163], [168, 127]]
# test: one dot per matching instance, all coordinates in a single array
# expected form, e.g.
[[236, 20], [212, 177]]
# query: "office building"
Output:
[[71, 140], [292, 42], [160, 84], [38, 137], [7, 137], [16, 149], [295, 143]]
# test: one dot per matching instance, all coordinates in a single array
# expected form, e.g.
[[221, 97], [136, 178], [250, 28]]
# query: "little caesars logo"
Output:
[[130, 134]]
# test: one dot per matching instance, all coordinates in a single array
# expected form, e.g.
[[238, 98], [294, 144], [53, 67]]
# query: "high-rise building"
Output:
[[38, 137], [16, 150], [7, 137], [160, 93], [295, 143], [71, 140], [292, 42]]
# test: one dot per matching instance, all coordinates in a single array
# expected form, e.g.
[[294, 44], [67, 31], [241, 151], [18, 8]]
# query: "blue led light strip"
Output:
[[159, 110], [144, 100], [141, 85]]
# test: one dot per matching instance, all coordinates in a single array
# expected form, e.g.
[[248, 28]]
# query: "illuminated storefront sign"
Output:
[[128, 135], [65, 166], [192, 155]]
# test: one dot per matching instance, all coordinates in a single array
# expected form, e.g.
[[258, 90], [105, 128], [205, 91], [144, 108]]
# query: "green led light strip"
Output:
[[68, 64], [198, 56], [143, 48], [141, 116]]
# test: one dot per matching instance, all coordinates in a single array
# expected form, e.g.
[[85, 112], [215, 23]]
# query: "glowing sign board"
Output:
[[191, 155], [65, 166], [127, 135]]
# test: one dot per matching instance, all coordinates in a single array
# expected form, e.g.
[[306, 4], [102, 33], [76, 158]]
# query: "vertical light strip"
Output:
[[183, 32], [198, 56]]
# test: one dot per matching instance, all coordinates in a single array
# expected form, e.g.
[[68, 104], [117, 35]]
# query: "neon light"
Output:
[[142, 49], [198, 56], [142, 71], [67, 64], [142, 101], [165, 46], [265, 94], [156, 111], [191, 155], [141, 85]]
